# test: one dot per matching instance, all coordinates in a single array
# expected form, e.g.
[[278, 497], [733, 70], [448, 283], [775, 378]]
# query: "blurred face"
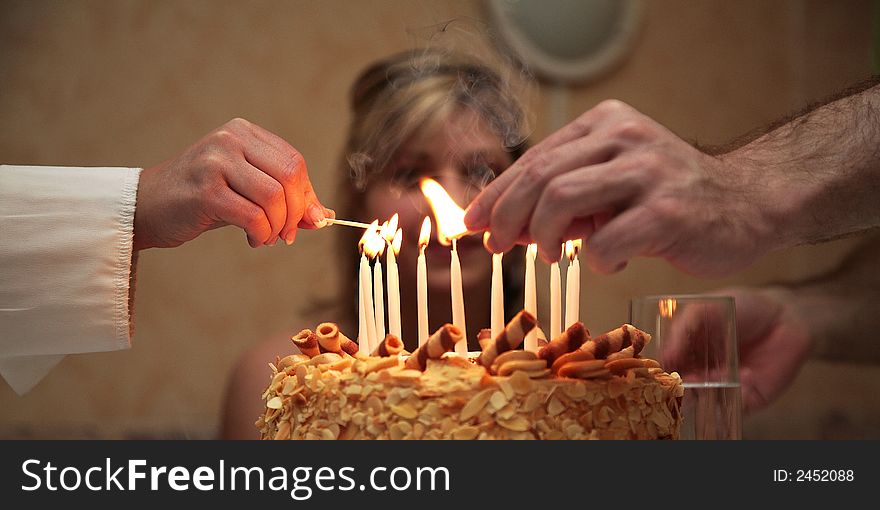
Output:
[[460, 153]]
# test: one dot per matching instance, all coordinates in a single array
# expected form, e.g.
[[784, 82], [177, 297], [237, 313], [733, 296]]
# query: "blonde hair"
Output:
[[396, 97]]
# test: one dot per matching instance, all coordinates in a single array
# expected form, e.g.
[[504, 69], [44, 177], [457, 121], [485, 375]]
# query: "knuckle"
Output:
[[238, 123], [223, 138], [533, 173], [667, 212], [209, 172], [290, 167], [557, 192], [584, 121], [644, 162], [631, 130], [612, 107], [254, 220], [529, 156], [276, 193]]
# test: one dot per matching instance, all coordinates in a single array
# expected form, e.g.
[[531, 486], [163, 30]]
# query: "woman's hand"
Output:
[[774, 340], [239, 174]]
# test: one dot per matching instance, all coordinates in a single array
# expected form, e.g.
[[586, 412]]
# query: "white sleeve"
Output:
[[65, 265]]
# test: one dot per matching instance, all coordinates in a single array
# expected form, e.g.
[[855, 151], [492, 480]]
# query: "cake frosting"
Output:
[[574, 387]]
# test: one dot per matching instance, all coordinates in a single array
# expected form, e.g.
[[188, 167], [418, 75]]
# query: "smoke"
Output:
[[395, 98]]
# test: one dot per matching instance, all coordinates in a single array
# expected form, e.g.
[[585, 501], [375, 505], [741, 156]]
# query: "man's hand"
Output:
[[629, 187], [239, 174]]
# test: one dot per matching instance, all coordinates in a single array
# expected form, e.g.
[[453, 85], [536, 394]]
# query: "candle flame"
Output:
[[486, 237], [425, 233], [396, 242], [372, 243], [667, 307], [532, 249], [390, 229], [569, 250], [577, 244], [448, 215], [362, 244]]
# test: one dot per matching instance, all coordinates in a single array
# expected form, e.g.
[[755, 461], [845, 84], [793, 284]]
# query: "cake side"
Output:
[[334, 397]]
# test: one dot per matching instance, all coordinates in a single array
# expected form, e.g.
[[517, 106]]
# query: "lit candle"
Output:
[[570, 308], [531, 296], [389, 233], [576, 295], [367, 338], [497, 303], [450, 225], [363, 329], [394, 285], [457, 300], [379, 295], [555, 300], [422, 281]]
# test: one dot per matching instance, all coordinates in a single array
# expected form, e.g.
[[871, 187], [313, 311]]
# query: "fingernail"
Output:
[[271, 242], [288, 241], [473, 217], [316, 216], [493, 245]]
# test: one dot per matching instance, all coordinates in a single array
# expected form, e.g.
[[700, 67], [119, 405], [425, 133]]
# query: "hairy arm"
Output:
[[820, 171]]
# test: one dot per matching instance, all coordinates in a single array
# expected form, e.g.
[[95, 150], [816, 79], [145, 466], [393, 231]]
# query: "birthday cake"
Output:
[[574, 387]]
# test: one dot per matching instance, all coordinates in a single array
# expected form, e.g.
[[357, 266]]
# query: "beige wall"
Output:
[[132, 82]]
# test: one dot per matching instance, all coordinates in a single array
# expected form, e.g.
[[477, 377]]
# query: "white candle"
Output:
[[366, 286], [569, 287], [394, 286], [422, 281], [555, 301], [458, 318], [531, 296], [576, 294], [363, 337], [379, 300], [497, 319]]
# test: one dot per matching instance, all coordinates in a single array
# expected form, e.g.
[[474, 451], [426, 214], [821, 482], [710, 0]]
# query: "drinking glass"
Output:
[[696, 336]]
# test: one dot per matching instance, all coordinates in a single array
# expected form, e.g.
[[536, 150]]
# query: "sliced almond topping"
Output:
[[405, 411], [498, 400], [507, 388], [533, 401], [555, 407], [517, 423], [475, 404], [466, 432], [521, 382]]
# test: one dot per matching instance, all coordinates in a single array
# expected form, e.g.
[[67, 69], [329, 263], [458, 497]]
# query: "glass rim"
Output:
[[689, 297]]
